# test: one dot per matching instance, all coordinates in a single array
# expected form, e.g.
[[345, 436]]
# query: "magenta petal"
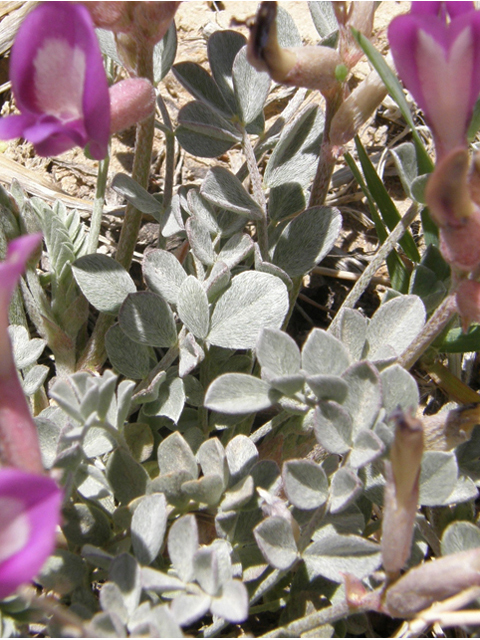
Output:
[[14, 126], [425, 8], [18, 253], [31, 513], [455, 9]]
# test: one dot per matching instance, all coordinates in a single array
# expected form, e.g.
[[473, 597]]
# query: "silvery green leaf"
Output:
[[295, 157], [286, 200], [125, 573], [201, 244], [25, 351], [164, 54], [127, 357], [305, 483], [103, 281], [201, 85], [172, 222], [252, 302], [217, 281], [287, 385], [351, 330], [174, 454], [136, 195], [327, 387], [232, 603], [62, 572], [266, 475], [165, 623], [460, 536], [235, 393], [278, 352], [187, 608], [149, 522], [306, 240], [203, 132], [367, 447], [323, 17], [192, 307], [96, 442], [274, 536], [146, 318], [205, 567], [405, 159], [235, 250], [91, 483], [34, 378], [345, 487], [183, 545], [159, 582], [63, 393], [222, 48], [238, 495], [224, 190], [202, 211], [333, 427], [171, 485], [111, 601], [350, 520], [335, 554], [287, 32], [212, 458], [170, 402], [108, 47], [139, 438], [394, 325], [85, 524], [364, 397], [190, 355], [438, 477], [426, 284], [323, 354], [207, 490], [241, 455], [464, 490], [48, 435], [106, 625], [267, 267], [127, 478], [399, 390], [250, 86], [163, 274]]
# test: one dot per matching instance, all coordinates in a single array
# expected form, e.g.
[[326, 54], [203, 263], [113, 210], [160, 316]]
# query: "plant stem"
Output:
[[97, 211], [94, 354], [437, 323], [326, 161], [381, 255], [169, 154], [258, 194]]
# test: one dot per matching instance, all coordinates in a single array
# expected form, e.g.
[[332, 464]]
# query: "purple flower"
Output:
[[439, 63], [29, 515], [59, 82], [18, 433]]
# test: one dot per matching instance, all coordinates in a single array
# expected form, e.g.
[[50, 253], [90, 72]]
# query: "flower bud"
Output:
[[448, 197], [401, 492], [310, 67], [433, 581], [357, 109], [468, 302], [131, 101]]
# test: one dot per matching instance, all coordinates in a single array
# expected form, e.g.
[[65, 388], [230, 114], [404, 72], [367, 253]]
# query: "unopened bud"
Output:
[[357, 109], [448, 198], [310, 67], [131, 101], [468, 302], [360, 17], [433, 581], [401, 492]]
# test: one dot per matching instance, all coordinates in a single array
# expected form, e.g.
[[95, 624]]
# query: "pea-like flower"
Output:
[[59, 82], [29, 515], [439, 63]]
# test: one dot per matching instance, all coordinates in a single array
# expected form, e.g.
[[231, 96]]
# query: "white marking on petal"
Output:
[[446, 84], [59, 79], [14, 527]]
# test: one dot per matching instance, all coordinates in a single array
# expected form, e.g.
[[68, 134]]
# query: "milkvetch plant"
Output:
[[213, 466]]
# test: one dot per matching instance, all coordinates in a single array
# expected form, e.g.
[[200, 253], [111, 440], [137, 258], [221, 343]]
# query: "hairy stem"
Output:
[[381, 255], [96, 221], [258, 194]]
